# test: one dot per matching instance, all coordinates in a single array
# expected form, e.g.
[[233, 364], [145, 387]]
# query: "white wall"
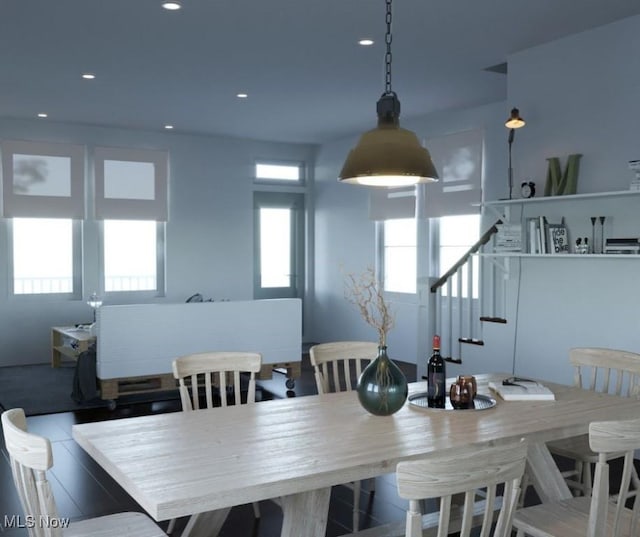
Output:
[[579, 95], [209, 237]]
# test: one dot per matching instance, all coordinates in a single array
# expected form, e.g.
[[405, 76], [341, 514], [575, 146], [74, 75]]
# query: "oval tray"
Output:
[[480, 402]]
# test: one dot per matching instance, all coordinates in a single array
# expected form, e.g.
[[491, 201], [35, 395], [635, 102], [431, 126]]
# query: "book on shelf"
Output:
[[533, 239], [523, 390], [622, 243], [508, 238], [542, 234], [629, 245], [558, 238]]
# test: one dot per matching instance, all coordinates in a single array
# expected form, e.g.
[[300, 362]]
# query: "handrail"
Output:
[[484, 239]]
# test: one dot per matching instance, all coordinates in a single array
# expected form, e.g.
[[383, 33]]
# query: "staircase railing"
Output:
[[456, 311]]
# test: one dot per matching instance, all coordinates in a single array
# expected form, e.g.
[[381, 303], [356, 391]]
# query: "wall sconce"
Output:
[[514, 121]]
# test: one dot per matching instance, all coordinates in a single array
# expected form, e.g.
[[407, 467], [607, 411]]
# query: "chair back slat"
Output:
[[30, 457], [219, 369], [334, 363], [614, 437], [465, 471], [606, 370]]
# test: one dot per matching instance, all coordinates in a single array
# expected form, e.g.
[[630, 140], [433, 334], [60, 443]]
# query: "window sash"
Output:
[[75, 290], [279, 172], [400, 256], [294, 203], [159, 288]]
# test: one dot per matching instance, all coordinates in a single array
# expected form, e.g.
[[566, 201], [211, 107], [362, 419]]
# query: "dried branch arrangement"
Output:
[[364, 291]]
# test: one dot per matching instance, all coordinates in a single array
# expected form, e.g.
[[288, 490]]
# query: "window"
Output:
[[400, 255], [456, 235], [279, 172], [279, 245], [133, 255], [46, 256]]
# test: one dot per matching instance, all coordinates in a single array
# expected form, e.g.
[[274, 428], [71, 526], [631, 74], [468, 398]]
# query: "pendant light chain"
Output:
[[387, 58]]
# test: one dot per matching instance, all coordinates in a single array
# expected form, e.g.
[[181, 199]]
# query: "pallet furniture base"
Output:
[[67, 342], [292, 370], [111, 389]]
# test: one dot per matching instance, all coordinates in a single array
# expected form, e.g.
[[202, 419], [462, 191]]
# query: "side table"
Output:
[[68, 342]]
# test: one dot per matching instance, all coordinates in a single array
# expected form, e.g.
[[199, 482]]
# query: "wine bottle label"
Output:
[[436, 384]]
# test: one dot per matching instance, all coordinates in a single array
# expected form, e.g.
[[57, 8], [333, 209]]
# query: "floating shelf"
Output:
[[576, 197], [558, 256]]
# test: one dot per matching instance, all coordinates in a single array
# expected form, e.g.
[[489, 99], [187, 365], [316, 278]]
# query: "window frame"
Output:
[[296, 202], [280, 182], [381, 247], [76, 264], [129, 296]]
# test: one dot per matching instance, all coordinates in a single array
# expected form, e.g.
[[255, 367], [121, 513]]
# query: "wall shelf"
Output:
[[576, 197], [558, 256]]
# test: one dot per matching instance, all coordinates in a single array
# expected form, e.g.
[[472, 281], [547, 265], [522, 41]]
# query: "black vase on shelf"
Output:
[[382, 386]]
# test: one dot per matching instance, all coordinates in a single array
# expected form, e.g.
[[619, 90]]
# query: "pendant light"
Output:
[[388, 156]]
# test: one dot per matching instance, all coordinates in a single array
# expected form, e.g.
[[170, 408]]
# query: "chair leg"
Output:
[[586, 479], [524, 485], [171, 526], [372, 486], [256, 509], [356, 505]]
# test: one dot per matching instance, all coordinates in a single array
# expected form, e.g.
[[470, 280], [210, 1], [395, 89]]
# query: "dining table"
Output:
[[206, 461]]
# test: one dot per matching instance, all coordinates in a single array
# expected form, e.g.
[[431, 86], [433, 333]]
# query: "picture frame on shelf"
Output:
[[558, 239]]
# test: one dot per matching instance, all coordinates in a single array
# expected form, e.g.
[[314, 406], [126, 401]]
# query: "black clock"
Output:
[[528, 189]]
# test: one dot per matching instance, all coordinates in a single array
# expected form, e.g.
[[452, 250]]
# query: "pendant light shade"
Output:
[[388, 156], [514, 121]]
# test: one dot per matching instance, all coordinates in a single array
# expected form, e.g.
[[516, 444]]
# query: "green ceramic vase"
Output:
[[382, 386]]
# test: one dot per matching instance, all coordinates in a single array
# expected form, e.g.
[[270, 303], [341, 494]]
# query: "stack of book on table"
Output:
[[522, 390], [622, 246]]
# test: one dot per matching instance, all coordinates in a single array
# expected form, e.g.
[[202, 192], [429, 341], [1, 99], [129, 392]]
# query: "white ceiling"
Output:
[[307, 79]]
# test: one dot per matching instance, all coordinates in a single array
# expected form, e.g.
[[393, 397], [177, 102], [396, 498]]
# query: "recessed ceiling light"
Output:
[[171, 6], [88, 76], [168, 127], [42, 114], [365, 42], [242, 95]]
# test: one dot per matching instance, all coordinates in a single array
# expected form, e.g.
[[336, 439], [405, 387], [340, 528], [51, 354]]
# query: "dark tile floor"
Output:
[[82, 489]]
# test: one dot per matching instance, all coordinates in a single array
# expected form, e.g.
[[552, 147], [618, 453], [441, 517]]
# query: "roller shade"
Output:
[[387, 204], [458, 159], [131, 184], [42, 180]]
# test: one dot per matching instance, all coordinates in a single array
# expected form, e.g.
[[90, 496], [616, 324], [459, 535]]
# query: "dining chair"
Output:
[[219, 373], [453, 475], [600, 515], [30, 456], [599, 370], [337, 366]]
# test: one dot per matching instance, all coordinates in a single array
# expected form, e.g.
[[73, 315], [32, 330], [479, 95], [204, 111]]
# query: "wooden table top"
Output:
[[183, 463]]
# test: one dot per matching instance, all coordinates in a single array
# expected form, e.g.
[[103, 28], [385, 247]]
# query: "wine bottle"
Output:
[[436, 377]]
